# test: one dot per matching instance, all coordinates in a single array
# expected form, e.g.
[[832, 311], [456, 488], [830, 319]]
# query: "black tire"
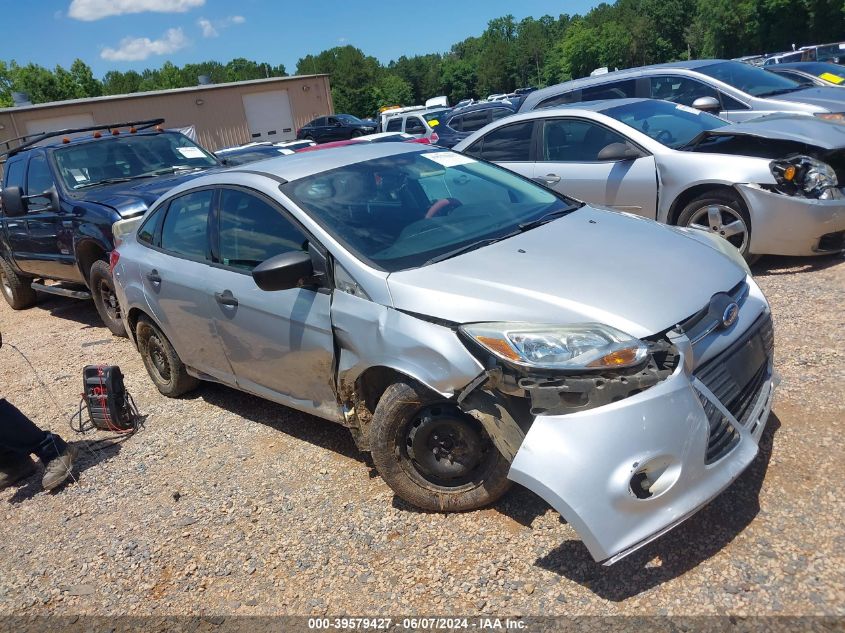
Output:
[[105, 299], [728, 213], [163, 364], [407, 418], [356, 134], [308, 137], [15, 288]]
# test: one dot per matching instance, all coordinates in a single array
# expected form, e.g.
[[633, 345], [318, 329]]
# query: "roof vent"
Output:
[[21, 99], [204, 80]]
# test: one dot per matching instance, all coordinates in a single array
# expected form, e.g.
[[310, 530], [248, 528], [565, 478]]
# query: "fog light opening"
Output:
[[641, 486], [654, 477]]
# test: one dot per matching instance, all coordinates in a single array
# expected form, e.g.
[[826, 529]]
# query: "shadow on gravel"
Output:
[[772, 265], [90, 454], [694, 541], [82, 312], [302, 426]]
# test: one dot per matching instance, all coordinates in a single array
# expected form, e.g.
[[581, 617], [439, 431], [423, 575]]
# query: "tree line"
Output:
[[507, 55]]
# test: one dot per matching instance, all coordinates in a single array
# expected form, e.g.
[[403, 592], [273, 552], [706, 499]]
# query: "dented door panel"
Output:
[[372, 335], [588, 464]]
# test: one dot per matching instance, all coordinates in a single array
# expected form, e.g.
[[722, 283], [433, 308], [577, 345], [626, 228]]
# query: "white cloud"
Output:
[[90, 10], [132, 49], [212, 29]]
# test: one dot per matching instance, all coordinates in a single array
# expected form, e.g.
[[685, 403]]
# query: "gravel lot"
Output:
[[228, 504]]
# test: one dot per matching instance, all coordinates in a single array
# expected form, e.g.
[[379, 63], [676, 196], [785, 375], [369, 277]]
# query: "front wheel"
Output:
[[101, 284], [720, 213], [432, 454], [16, 289]]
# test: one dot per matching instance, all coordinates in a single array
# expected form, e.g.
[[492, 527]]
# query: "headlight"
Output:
[[831, 116], [808, 175], [585, 346]]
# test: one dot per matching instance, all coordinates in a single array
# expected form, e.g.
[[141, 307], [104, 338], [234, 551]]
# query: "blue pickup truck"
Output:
[[61, 193]]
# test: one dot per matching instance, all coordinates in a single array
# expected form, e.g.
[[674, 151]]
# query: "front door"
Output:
[[280, 344], [569, 163]]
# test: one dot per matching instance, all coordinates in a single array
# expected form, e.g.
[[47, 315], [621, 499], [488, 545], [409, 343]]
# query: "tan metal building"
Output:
[[222, 114]]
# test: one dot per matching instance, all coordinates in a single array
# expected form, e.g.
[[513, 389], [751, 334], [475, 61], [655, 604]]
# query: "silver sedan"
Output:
[[769, 186]]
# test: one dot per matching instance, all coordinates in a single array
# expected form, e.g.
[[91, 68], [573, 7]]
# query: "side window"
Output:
[[567, 97], [455, 123], [474, 121], [14, 173], [414, 126], [394, 124], [509, 143], [680, 89], [38, 176], [149, 229], [613, 90], [252, 230], [500, 113], [185, 228], [575, 140], [729, 103], [332, 121], [319, 122]]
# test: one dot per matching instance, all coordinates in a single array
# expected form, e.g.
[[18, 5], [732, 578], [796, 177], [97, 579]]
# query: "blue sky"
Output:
[[137, 34]]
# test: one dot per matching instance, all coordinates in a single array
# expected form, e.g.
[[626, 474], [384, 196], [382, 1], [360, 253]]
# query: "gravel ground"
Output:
[[228, 504]]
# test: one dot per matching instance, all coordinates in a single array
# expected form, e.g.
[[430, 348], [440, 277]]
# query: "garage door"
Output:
[[268, 116], [59, 123]]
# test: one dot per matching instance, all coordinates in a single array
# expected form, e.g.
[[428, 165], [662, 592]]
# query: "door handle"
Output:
[[153, 277], [226, 298]]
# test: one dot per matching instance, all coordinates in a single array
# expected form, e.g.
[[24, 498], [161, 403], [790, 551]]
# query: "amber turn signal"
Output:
[[499, 346], [619, 358]]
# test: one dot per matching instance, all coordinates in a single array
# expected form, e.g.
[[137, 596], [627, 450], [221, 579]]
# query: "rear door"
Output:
[[175, 274], [568, 162], [279, 344]]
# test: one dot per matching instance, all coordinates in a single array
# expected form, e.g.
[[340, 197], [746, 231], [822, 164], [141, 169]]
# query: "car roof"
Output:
[[88, 137], [303, 164], [484, 106]]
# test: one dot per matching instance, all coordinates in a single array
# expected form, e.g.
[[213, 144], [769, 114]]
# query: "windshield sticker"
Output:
[[684, 108], [834, 79], [191, 152], [449, 159]]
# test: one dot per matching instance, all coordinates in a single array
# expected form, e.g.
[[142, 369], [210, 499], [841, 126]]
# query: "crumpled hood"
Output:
[[830, 98], [134, 197], [800, 128], [589, 266]]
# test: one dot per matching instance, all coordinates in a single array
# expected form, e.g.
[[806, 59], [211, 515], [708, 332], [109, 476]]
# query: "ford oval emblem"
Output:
[[730, 315]]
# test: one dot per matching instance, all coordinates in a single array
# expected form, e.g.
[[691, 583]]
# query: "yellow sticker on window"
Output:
[[433, 123], [834, 79]]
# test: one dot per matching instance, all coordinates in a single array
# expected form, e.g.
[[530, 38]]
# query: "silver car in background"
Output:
[[734, 90], [468, 326], [772, 185]]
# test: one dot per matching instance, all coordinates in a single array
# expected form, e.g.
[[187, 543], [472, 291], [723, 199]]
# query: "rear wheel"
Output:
[[101, 284], [356, 134], [720, 213], [432, 454], [163, 364], [16, 289]]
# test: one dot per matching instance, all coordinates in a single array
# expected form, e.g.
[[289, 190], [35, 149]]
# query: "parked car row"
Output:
[[508, 311]]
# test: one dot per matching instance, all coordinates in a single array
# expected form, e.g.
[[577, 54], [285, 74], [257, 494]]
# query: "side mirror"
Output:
[[13, 205], [707, 104], [618, 151], [283, 272]]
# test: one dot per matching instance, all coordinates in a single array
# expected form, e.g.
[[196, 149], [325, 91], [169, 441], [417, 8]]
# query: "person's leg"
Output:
[[20, 436]]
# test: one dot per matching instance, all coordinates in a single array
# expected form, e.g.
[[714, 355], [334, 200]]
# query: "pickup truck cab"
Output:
[[61, 193]]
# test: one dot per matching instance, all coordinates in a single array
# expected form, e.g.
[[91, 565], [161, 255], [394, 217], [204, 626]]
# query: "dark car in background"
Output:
[[812, 73], [464, 121], [336, 127], [241, 155]]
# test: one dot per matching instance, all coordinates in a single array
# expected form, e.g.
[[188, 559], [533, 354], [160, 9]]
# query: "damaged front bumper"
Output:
[[627, 472], [792, 225]]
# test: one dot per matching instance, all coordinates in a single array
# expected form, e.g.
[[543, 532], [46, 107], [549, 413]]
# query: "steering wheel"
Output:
[[440, 205], [664, 136]]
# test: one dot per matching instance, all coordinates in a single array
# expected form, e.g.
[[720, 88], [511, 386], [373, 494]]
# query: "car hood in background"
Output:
[[589, 266], [831, 98], [799, 128], [134, 197]]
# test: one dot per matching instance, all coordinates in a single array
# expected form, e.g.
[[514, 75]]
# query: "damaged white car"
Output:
[[469, 327]]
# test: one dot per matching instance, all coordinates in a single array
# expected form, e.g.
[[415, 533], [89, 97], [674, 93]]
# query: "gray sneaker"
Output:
[[16, 469], [58, 470]]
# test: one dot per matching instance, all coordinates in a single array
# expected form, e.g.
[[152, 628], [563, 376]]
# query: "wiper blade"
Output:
[[781, 91], [104, 181], [468, 247], [543, 219]]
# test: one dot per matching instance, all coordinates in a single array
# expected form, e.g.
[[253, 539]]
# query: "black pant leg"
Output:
[[19, 434]]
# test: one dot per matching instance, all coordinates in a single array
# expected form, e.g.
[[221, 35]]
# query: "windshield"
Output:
[[120, 158], [824, 69], [674, 125], [349, 118], [401, 211], [752, 80]]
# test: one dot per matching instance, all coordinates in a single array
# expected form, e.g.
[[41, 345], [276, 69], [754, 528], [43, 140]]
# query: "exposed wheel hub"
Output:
[[444, 444], [724, 221], [158, 357]]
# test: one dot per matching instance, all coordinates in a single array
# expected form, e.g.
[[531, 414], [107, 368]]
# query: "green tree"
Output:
[[390, 89]]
